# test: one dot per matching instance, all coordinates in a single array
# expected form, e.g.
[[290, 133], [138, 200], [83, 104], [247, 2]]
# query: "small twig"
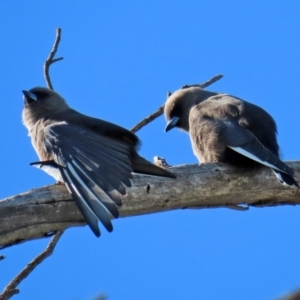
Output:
[[148, 119], [11, 288], [160, 111], [50, 60], [205, 84]]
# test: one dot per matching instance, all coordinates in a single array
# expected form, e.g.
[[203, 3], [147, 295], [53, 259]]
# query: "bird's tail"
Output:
[[286, 178], [255, 150]]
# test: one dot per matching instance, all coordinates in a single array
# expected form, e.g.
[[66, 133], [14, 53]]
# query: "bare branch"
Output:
[[50, 60], [205, 84], [206, 186], [160, 110], [148, 119], [11, 288]]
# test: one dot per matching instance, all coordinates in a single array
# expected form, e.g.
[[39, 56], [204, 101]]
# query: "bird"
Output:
[[94, 158], [224, 128]]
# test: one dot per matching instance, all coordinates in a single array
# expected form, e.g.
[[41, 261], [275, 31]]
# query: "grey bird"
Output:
[[227, 129], [94, 158]]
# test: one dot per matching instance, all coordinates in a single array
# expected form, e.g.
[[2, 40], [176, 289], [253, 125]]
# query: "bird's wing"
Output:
[[245, 142], [101, 127], [122, 135], [94, 167]]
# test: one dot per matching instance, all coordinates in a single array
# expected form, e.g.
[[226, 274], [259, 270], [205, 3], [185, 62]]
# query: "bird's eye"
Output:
[[41, 95]]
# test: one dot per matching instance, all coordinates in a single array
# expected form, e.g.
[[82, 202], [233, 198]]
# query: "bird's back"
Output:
[[247, 115]]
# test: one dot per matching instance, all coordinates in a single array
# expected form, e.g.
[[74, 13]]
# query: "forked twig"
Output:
[[50, 60]]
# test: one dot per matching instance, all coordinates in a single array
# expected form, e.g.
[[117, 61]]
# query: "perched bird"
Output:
[[224, 128], [94, 158]]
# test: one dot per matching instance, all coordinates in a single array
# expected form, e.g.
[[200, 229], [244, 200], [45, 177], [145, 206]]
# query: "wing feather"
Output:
[[246, 143], [94, 167], [84, 208]]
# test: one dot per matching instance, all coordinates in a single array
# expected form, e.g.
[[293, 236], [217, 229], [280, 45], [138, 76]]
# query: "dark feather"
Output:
[[84, 208], [94, 175]]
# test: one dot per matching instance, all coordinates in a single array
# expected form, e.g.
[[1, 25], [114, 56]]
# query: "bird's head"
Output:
[[40, 102], [178, 105]]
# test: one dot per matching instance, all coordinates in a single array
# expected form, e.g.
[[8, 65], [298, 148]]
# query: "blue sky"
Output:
[[120, 59]]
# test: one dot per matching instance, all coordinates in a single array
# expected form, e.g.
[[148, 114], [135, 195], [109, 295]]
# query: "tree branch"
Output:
[[50, 60], [160, 110], [11, 288], [205, 186]]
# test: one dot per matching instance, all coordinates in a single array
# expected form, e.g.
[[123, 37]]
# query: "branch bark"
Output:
[[51, 208]]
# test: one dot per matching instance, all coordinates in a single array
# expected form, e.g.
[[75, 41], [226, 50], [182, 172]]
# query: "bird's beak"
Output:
[[29, 97], [171, 123]]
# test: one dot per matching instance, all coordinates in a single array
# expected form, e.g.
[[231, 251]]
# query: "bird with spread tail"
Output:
[[224, 128], [94, 158]]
